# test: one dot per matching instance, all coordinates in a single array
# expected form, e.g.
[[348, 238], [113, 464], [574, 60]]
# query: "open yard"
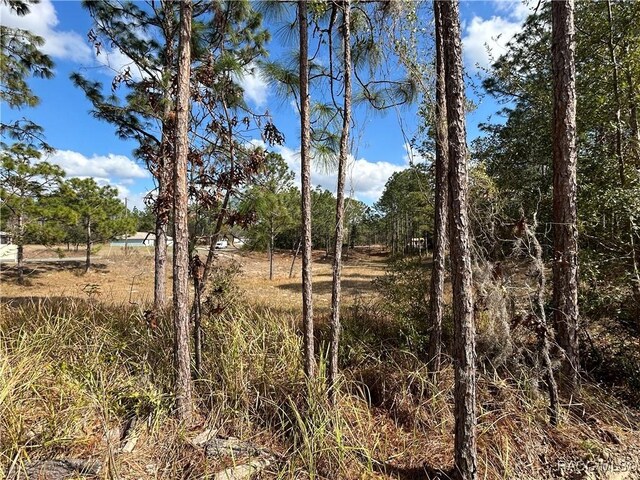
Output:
[[117, 277]]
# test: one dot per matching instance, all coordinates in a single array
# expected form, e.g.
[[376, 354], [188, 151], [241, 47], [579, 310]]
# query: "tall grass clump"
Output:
[[70, 371], [253, 385]]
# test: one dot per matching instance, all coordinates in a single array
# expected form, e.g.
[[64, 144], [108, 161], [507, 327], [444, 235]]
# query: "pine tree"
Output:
[[565, 231], [182, 358], [21, 58], [305, 174], [340, 194], [436, 306], [23, 182], [94, 210], [464, 327]]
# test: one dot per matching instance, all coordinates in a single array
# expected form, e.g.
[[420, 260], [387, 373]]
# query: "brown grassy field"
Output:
[[119, 278]]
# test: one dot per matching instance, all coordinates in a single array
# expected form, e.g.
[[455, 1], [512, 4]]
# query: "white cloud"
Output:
[[98, 166], [42, 20], [132, 199], [115, 61], [412, 156], [517, 10], [486, 39], [114, 170], [365, 179], [256, 88]]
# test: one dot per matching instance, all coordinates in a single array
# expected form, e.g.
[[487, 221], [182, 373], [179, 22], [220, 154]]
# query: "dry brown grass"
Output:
[[113, 278], [119, 278], [72, 370]]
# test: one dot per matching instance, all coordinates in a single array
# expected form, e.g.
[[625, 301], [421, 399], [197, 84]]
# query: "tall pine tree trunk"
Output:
[[180, 213], [163, 202], [305, 173], [464, 326], [565, 231], [339, 231], [436, 306], [165, 167]]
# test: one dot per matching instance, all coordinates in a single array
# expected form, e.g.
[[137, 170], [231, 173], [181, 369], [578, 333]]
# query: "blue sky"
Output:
[[88, 147]]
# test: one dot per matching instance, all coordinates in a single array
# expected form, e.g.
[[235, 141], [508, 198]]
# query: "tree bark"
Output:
[[163, 203], [565, 231], [339, 231], [305, 173], [180, 212], [464, 326], [441, 203]]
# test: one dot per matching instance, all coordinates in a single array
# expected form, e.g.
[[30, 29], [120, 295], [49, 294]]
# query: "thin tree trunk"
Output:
[[441, 204], [87, 263], [464, 326], [565, 231], [197, 270], [543, 329], [633, 116], [160, 246], [197, 330], [20, 263], [339, 232], [180, 211], [634, 260], [295, 255], [616, 96], [163, 208], [305, 174], [164, 169], [208, 266], [20, 252], [271, 256]]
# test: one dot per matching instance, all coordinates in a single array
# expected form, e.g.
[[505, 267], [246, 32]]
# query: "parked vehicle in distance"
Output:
[[220, 244]]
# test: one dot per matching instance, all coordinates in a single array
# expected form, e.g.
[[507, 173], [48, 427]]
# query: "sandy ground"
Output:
[[116, 277]]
